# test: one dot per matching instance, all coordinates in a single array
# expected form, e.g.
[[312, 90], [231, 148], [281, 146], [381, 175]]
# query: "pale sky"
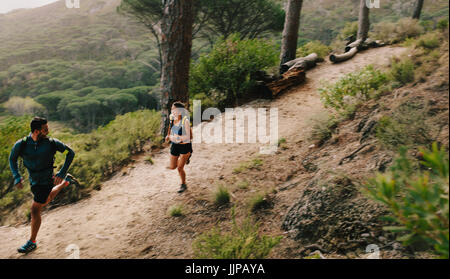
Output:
[[9, 5]]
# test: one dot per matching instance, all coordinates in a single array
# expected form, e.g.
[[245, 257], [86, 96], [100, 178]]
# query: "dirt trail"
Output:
[[128, 217]]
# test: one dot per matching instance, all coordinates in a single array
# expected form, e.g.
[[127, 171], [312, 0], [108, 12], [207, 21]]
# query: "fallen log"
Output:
[[368, 43], [304, 63], [289, 79], [352, 45], [335, 58], [263, 76]]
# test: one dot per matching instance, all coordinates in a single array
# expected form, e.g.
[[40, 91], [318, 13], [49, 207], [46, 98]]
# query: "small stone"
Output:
[[397, 246], [365, 235], [382, 239], [311, 146]]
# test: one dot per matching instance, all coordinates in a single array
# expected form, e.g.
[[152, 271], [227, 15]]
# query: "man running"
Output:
[[37, 152]]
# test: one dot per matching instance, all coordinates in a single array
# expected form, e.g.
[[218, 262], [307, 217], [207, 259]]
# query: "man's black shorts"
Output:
[[41, 192], [177, 149]]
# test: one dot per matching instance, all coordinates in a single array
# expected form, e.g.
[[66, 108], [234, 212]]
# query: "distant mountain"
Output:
[[94, 31]]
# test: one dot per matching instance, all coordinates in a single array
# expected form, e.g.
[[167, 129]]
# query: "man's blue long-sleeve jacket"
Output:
[[38, 158]]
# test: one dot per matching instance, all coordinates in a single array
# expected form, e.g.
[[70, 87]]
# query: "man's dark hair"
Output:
[[179, 104], [37, 122]]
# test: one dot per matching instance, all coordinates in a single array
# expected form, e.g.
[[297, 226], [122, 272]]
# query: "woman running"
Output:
[[180, 135]]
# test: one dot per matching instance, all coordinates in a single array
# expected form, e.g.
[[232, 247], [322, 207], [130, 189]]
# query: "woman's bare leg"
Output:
[[180, 167], [173, 162]]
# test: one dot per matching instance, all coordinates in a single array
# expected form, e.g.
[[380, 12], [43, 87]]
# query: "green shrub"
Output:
[[149, 160], [243, 242], [353, 88], [323, 126], [429, 41], [176, 211], [442, 24], [417, 199], [402, 70], [11, 129], [243, 184], [223, 75], [393, 32], [314, 47], [258, 201], [405, 126], [255, 163], [221, 196]]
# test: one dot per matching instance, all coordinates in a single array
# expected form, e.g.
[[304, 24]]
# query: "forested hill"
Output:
[[84, 66], [71, 60], [93, 32]]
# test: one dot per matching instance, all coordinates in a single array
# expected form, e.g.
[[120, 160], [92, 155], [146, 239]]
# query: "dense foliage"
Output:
[[223, 75], [417, 198]]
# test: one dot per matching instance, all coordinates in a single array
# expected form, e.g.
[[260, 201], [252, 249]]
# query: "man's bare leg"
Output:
[[55, 191], [36, 209]]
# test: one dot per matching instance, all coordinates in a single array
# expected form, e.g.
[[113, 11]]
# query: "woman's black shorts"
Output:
[[41, 192], [177, 149]]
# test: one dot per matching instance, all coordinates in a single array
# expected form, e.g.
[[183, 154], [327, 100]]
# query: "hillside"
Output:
[[343, 134], [138, 224]]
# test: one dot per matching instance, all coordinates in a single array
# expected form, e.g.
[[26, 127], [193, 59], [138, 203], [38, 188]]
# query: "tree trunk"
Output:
[[335, 58], [356, 43], [363, 21], [176, 44], [417, 9], [290, 31], [302, 63], [289, 79]]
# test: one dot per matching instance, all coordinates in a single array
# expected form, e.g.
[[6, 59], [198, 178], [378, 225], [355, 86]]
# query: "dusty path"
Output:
[[128, 217]]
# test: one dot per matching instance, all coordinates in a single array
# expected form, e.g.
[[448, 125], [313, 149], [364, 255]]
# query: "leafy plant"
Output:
[[223, 75], [243, 242], [176, 211], [221, 196], [317, 47], [402, 70], [353, 87], [323, 126], [405, 126], [418, 199]]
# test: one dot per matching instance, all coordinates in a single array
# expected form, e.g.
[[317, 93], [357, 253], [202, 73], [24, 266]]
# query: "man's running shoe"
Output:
[[27, 247]]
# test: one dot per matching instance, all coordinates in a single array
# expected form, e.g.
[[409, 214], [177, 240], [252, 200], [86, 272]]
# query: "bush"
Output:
[[394, 32], [405, 126], [255, 163], [402, 70], [223, 75], [353, 88], [243, 242], [243, 184], [417, 199], [24, 106], [323, 126], [176, 211], [221, 196], [429, 41], [11, 130], [314, 47], [259, 201], [442, 24]]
